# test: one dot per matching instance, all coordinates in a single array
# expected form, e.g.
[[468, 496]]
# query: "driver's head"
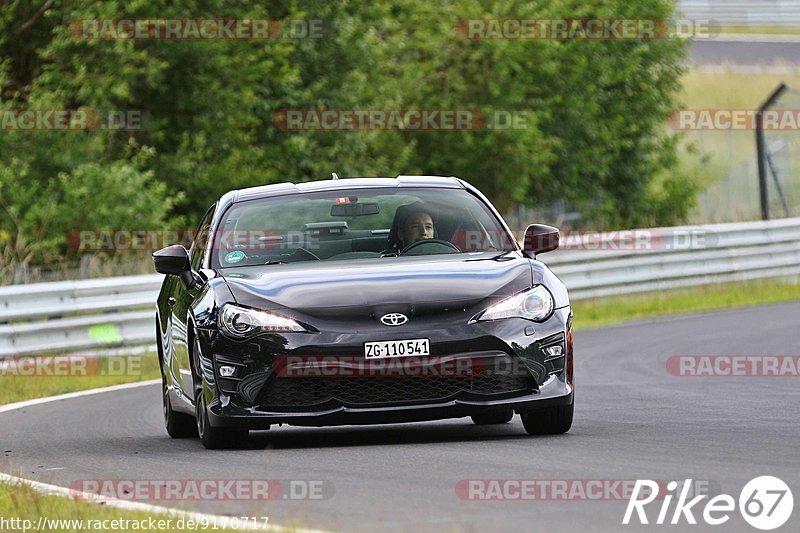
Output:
[[417, 225]]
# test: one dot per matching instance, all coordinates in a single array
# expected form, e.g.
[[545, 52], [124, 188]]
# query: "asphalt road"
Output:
[[725, 50], [633, 420]]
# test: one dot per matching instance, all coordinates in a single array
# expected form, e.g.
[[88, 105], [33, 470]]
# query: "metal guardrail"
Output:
[[743, 12], [102, 314], [681, 257]]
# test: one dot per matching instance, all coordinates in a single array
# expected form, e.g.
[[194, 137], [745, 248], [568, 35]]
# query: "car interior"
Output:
[[351, 233]]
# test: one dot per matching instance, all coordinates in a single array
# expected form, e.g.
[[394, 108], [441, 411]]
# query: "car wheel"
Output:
[[179, 425], [549, 421], [211, 437], [494, 417]]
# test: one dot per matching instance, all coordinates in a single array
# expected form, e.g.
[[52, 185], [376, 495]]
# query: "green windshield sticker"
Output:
[[234, 257]]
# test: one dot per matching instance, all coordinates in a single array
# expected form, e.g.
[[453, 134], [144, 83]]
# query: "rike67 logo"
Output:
[[765, 503]]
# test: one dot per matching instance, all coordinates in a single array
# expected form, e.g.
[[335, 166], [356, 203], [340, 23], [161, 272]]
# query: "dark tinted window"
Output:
[[198, 250], [355, 224]]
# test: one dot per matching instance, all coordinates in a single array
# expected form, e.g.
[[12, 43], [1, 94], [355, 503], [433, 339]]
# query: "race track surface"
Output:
[[718, 52], [747, 50], [633, 420]]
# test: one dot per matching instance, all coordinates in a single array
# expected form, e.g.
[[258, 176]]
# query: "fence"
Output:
[[778, 155], [101, 314]]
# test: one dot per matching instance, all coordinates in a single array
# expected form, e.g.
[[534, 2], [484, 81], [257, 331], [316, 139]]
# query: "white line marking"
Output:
[[77, 394], [55, 490], [751, 38]]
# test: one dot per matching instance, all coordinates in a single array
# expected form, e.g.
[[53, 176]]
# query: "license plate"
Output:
[[404, 348]]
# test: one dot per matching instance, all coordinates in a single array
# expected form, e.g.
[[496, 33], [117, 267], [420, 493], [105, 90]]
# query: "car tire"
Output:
[[550, 421], [211, 437], [179, 425], [493, 417]]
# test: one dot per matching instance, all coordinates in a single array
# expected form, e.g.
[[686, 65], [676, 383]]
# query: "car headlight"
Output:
[[534, 304], [242, 322]]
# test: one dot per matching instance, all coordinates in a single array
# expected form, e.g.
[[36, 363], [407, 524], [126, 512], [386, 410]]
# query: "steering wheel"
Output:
[[452, 248]]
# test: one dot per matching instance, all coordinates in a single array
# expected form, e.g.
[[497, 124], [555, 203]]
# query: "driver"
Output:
[[417, 226], [412, 223]]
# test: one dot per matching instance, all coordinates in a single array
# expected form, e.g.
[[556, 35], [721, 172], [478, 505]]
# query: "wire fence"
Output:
[[738, 166], [780, 155], [733, 197], [88, 266]]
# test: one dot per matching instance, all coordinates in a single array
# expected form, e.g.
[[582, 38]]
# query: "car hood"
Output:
[[369, 286]]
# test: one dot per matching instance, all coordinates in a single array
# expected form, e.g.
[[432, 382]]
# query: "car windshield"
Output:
[[356, 224]]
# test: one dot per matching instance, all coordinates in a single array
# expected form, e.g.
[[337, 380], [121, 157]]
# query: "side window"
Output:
[[198, 249]]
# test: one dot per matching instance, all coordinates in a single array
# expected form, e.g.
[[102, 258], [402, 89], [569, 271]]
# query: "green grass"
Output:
[[730, 90], [16, 386], [761, 30], [618, 309], [24, 503]]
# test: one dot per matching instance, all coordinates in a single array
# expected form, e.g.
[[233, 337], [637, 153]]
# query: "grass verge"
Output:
[[760, 30], [617, 309], [25, 378], [22, 508]]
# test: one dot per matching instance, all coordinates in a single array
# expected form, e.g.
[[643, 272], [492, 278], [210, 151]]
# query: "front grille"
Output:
[[293, 392]]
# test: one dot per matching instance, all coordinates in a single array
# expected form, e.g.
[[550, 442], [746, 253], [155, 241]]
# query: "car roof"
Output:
[[278, 189]]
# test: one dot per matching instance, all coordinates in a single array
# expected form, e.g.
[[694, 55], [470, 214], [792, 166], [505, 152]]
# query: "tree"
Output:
[[591, 112]]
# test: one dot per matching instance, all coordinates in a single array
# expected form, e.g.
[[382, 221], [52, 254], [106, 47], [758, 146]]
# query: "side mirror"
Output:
[[540, 238], [174, 261]]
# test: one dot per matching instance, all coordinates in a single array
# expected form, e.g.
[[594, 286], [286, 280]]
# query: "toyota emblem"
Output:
[[394, 319]]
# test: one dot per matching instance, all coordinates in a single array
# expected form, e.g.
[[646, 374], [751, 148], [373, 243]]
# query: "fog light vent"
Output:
[[553, 351], [227, 371]]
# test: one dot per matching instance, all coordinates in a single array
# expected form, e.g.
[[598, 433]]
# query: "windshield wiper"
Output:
[[498, 257], [276, 262]]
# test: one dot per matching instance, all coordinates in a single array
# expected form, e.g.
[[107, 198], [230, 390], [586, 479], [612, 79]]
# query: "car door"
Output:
[[183, 301]]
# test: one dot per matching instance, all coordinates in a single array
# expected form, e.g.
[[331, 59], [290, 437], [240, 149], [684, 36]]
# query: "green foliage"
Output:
[[593, 130], [40, 218]]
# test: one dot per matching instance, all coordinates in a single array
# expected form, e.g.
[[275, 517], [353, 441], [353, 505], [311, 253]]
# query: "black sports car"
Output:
[[361, 301]]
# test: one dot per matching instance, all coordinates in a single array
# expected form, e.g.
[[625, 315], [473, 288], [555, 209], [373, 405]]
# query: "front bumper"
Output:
[[252, 401], [555, 394]]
